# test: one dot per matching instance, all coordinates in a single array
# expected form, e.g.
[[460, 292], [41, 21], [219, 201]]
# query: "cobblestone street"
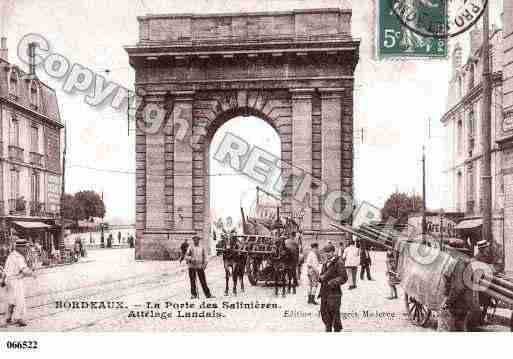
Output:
[[113, 276]]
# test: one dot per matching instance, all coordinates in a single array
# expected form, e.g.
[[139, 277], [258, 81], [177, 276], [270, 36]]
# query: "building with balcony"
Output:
[[505, 139], [30, 149], [463, 128]]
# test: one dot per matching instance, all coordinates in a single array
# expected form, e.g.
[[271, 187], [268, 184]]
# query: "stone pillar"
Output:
[[302, 153], [331, 143], [182, 163], [140, 183], [155, 175]]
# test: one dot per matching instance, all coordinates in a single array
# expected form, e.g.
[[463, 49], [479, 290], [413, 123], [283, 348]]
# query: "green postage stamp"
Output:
[[411, 28]]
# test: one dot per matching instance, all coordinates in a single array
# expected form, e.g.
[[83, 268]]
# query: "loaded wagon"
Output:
[[260, 251], [463, 291]]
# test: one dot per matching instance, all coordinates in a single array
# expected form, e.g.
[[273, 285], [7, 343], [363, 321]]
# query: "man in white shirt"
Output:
[[351, 257], [196, 258], [15, 269], [313, 268]]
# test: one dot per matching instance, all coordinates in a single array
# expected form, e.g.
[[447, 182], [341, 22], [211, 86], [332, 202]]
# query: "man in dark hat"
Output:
[[333, 275], [196, 258], [15, 269]]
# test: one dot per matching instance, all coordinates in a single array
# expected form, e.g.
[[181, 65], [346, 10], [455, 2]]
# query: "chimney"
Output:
[[4, 52], [32, 58]]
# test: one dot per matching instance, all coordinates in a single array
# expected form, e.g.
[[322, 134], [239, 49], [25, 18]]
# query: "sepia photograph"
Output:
[[255, 167]]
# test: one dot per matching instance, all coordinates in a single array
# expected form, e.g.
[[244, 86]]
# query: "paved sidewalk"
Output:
[[155, 296]]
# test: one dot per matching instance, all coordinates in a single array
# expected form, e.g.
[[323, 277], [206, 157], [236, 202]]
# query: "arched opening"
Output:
[[227, 188]]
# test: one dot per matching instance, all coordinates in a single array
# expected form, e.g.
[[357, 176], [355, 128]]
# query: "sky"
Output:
[[395, 101]]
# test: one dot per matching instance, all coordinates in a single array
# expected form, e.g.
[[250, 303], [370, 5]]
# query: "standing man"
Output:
[[196, 258], [340, 249], [313, 268], [391, 274], [351, 257], [365, 261], [333, 275], [15, 269], [183, 249]]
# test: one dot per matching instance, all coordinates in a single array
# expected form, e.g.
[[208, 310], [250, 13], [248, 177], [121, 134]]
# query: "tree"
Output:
[[400, 205], [90, 204], [83, 205], [69, 207]]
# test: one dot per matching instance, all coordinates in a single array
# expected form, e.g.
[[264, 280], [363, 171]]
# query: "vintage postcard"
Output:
[[255, 166]]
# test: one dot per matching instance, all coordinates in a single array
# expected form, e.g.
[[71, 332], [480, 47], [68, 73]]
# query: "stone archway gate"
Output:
[[293, 69]]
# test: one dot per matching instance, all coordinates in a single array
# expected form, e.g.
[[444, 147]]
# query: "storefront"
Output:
[[42, 235]]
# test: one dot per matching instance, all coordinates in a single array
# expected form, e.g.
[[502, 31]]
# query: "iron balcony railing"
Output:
[[15, 153], [40, 209], [37, 209], [36, 159], [17, 205]]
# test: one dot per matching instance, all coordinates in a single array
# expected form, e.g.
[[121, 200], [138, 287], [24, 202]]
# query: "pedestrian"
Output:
[[183, 249], [119, 237], [196, 258], [15, 269], [351, 257], [313, 269], [332, 276], [340, 249], [365, 261], [392, 274]]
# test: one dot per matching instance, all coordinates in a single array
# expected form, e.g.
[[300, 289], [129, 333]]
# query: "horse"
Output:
[[278, 264], [233, 260]]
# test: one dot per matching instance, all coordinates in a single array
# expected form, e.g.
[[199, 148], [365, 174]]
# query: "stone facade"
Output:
[[506, 136], [462, 99], [294, 70], [30, 144]]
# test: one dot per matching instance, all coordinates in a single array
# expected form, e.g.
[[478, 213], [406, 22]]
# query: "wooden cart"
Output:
[[436, 280]]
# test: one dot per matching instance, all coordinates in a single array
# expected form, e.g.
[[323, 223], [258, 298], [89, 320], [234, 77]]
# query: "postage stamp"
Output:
[[398, 23], [248, 166]]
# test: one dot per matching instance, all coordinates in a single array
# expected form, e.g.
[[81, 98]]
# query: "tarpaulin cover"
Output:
[[424, 272]]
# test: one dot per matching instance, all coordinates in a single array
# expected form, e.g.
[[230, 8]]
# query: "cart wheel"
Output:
[[253, 273], [418, 313]]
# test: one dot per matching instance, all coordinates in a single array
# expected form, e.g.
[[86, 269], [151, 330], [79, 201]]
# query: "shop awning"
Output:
[[469, 224], [32, 225]]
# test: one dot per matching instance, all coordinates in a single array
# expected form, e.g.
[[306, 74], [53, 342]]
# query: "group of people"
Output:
[[352, 257], [338, 267]]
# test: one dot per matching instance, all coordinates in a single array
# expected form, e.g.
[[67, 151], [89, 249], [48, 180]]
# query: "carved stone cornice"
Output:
[[302, 93], [183, 96], [332, 93]]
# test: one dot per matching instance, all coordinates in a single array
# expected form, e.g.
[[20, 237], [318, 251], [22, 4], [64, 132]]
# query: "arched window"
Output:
[[471, 124], [13, 82]]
